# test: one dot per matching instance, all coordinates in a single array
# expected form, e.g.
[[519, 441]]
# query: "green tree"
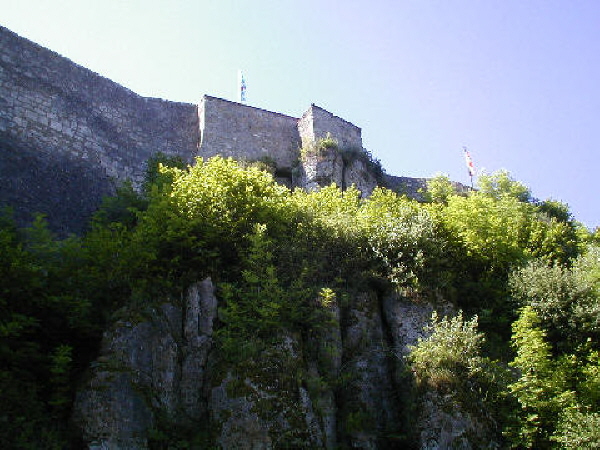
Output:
[[500, 184], [541, 389], [123, 208], [489, 233], [578, 428], [439, 189], [567, 299], [450, 355], [156, 178]]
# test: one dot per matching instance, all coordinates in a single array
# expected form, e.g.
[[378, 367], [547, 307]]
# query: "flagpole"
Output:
[[470, 165], [241, 87]]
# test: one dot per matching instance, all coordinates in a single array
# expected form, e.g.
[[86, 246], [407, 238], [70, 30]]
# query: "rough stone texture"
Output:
[[76, 131], [322, 169], [64, 188], [317, 123], [327, 365], [208, 307], [241, 427], [415, 187], [328, 166], [442, 422], [68, 136], [200, 313], [412, 187], [325, 167], [116, 416], [146, 367], [371, 396], [339, 385], [406, 318], [356, 173], [245, 133], [260, 405]]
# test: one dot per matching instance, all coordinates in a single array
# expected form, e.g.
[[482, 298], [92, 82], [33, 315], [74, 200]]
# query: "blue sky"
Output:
[[517, 82]]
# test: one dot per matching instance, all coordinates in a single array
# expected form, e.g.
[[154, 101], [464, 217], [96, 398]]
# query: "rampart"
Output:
[[69, 136], [317, 123], [247, 133], [66, 133]]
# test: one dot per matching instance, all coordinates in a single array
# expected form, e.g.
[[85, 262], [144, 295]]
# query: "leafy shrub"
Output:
[[564, 299], [501, 185], [450, 355], [578, 428], [372, 164], [319, 148], [155, 177], [439, 189], [450, 362], [266, 164], [282, 260]]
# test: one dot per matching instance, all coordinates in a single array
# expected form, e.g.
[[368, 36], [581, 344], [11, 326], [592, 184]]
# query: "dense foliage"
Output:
[[496, 253]]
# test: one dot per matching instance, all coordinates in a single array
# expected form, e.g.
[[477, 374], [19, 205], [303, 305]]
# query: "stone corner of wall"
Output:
[[333, 116]]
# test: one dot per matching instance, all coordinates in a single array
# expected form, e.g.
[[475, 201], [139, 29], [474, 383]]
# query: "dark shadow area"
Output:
[[66, 190]]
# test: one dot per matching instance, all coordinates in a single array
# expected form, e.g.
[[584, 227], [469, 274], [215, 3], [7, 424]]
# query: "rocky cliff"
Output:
[[344, 385]]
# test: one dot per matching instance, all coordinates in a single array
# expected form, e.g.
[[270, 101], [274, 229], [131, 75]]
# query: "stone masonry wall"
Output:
[[246, 133], [67, 122], [416, 187], [68, 136], [316, 123]]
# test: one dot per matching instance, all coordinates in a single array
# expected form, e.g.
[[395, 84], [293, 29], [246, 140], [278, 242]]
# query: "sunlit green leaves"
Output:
[[450, 353]]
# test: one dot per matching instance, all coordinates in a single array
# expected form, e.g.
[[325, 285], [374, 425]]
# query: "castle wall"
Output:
[[316, 123], [246, 133], [412, 187], [416, 187], [68, 136], [68, 119]]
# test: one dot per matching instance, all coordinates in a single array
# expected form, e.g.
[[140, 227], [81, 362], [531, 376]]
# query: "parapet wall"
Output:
[[317, 123], [246, 133]]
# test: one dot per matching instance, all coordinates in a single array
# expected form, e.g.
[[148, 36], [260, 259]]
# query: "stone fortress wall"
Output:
[[317, 123], [243, 132], [66, 134], [69, 136], [52, 103]]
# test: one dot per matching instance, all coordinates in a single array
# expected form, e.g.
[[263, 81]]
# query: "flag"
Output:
[[242, 87], [469, 162]]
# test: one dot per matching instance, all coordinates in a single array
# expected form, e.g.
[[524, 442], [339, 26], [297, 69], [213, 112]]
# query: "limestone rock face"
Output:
[[321, 170], [329, 166], [358, 174], [370, 399], [441, 421], [343, 384], [146, 367], [113, 414], [406, 319], [261, 403]]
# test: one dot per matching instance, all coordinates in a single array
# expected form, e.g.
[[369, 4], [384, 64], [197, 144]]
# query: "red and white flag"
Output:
[[469, 162]]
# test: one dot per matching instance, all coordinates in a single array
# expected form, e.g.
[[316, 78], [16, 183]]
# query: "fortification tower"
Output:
[[317, 123]]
